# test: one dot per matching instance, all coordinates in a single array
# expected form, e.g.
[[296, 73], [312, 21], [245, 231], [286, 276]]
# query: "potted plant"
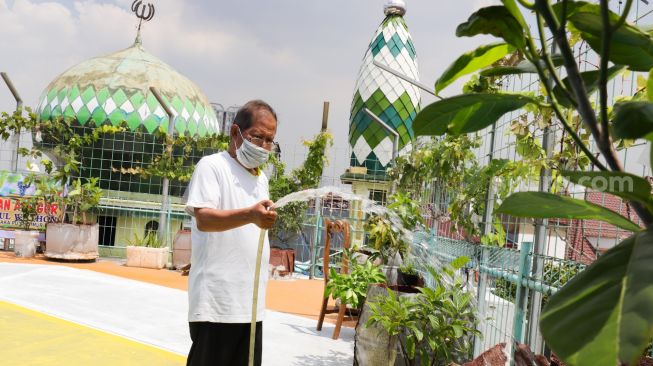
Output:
[[436, 326], [407, 275], [387, 233], [351, 288], [146, 252], [26, 239], [79, 238], [373, 345]]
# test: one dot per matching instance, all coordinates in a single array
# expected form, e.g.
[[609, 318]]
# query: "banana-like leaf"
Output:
[[624, 185], [633, 120], [472, 61], [466, 113], [604, 315], [544, 205], [495, 20]]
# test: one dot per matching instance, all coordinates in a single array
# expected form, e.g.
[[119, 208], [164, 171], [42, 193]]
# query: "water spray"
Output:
[[422, 251]]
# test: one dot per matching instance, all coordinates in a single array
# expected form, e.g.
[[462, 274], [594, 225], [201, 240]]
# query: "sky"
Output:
[[293, 54]]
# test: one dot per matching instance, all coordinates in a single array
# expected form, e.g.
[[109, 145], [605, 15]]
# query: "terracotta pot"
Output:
[[181, 248]]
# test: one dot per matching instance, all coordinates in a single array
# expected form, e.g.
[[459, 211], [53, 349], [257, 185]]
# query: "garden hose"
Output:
[[257, 275]]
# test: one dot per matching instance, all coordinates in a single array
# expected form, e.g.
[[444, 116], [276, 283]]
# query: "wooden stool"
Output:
[[332, 227]]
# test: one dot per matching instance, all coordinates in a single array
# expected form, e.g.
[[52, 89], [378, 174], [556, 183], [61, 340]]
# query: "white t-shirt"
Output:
[[222, 273]]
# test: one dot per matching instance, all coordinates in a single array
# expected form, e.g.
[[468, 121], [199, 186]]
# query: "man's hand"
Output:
[[212, 220], [263, 215]]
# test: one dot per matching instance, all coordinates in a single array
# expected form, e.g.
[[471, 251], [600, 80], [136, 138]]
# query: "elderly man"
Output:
[[228, 199]]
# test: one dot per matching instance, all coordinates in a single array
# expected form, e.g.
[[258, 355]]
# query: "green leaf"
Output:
[[349, 294], [649, 86], [591, 81], [410, 347], [630, 45], [458, 330], [419, 335], [547, 205], [604, 315], [633, 120], [524, 67], [466, 113], [495, 20], [459, 262], [513, 9], [471, 61], [625, 185]]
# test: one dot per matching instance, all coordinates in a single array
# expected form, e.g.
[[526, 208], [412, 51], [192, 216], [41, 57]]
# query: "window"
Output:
[[379, 196], [107, 230], [151, 227]]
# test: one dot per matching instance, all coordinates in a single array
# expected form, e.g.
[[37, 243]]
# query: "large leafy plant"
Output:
[[28, 212], [604, 314], [387, 232], [351, 287], [82, 198], [45, 200], [436, 326]]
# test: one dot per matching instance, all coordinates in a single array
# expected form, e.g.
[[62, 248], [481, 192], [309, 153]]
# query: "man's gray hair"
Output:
[[246, 113]]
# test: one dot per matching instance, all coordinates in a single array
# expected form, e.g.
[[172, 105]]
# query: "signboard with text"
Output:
[[10, 214], [12, 189]]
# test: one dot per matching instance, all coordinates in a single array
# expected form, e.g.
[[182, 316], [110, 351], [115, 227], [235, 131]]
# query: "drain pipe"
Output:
[[165, 202], [19, 106]]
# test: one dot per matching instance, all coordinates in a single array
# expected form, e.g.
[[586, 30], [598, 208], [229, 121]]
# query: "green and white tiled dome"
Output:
[[394, 100], [115, 88]]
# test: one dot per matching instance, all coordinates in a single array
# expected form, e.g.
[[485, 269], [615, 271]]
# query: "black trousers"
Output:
[[223, 344]]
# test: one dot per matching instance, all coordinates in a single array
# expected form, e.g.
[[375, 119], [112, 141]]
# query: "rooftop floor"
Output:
[[47, 307]]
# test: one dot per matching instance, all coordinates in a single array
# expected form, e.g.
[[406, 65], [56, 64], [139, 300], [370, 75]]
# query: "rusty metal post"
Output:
[[19, 106]]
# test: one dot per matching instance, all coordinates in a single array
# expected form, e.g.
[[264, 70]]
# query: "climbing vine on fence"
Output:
[[308, 175], [180, 154]]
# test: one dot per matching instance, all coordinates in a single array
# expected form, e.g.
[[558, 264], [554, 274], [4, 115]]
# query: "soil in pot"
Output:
[[404, 289], [405, 279]]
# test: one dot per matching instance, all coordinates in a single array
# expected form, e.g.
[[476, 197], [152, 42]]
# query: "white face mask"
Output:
[[250, 155]]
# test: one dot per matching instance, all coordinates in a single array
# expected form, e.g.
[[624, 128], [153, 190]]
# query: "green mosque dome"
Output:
[[115, 88], [393, 100]]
